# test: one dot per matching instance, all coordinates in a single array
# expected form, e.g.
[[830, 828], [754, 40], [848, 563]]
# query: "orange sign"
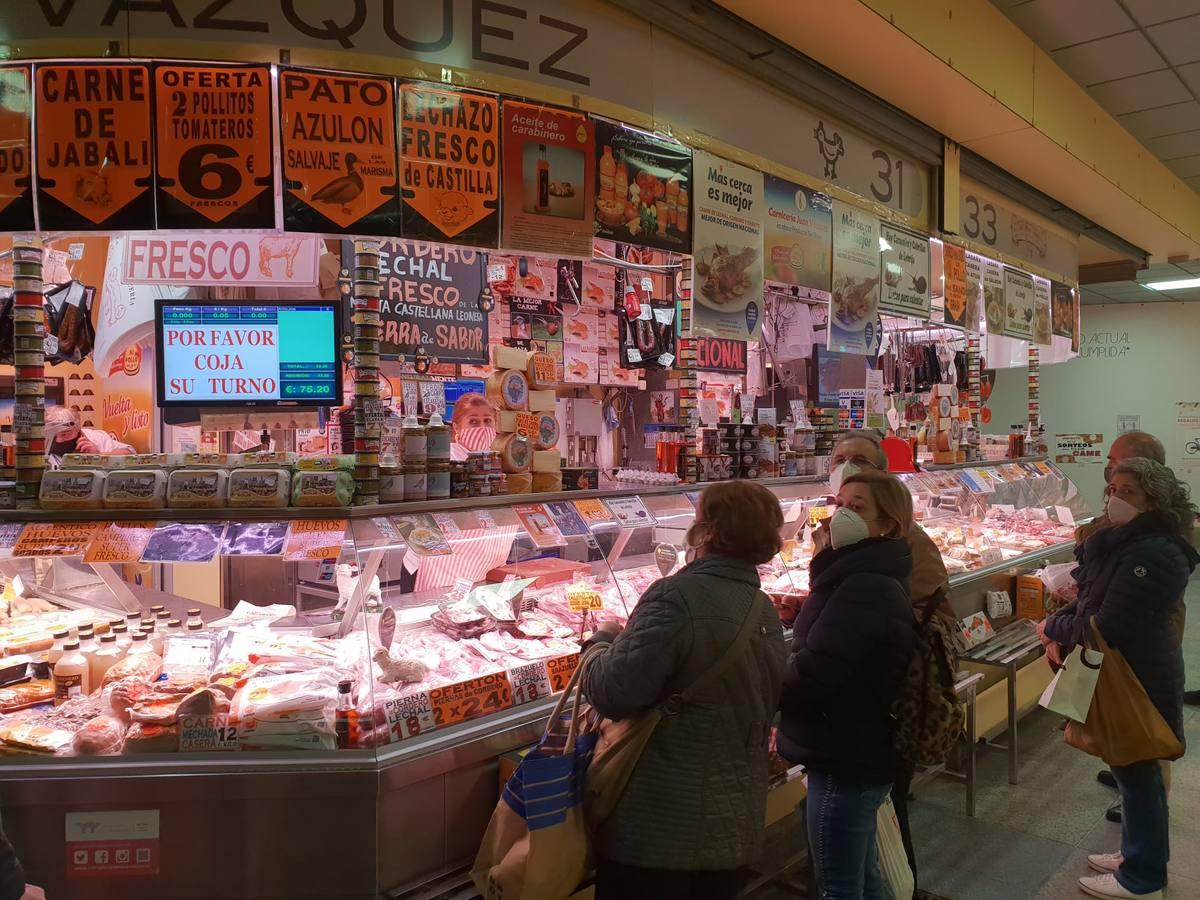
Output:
[[450, 165], [338, 145], [314, 539], [93, 146], [560, 671], [16, 191], [470, 699], [119, 542], [55, 539], [212, 150]]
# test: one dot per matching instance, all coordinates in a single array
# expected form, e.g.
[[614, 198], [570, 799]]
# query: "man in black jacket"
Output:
[[12, 876]]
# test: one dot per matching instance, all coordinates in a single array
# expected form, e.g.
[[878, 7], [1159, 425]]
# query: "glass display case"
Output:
[[405, 647]]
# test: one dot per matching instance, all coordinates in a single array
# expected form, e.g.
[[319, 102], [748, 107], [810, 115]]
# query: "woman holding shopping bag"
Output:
[[1132, 575], [850, 650], [693, 811]]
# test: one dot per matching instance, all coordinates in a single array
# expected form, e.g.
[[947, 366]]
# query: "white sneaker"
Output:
[[1107, 886], [1105, 862]]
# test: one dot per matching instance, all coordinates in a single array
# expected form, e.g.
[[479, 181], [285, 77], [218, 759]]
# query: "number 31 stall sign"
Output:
[[240, 260]]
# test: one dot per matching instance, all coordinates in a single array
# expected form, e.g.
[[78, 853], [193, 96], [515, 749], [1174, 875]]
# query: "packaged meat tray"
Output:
[[544, 572]]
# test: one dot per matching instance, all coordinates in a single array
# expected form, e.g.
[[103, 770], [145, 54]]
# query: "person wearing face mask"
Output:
[[65, 435], [850, 648], [474, 422], [692, 814], [1132, 575]]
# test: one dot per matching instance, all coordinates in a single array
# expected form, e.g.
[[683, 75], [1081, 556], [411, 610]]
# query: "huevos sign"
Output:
[[242, 260]]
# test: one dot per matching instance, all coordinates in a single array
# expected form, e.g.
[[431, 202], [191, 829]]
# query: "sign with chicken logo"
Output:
[[338, 146], [212, 152], [16, 183], [94, 166], [450, 165]]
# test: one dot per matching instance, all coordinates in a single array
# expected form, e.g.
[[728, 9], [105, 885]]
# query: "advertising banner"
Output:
[[93, 149], [643, 189], [717, 355], [954, 265], [429, 297], [338, 147], [1062, 308], [992, 282], [216, 258], [797, 236], [16, 182], [549, 179], [1018, 304], [449, 165], [728, 281], [975, 295], [213, 149], [904, 268], [854, 303], [127, 407], [1079, 448], [1041, 311]]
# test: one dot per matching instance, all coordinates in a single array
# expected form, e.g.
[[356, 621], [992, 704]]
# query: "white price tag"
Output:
[[22, 416], [666, 359], [529, 683], [386, 530], [766, 415], [205, 734], [634, 354], [462, 587], [1065, 516], [746, 405], [409, 716]]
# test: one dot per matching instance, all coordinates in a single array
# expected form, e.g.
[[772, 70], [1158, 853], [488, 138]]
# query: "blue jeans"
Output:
[[1145, 844], [841, 837]]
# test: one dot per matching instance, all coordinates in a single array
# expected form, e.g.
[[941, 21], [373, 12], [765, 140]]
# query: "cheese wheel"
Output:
[[547, 431], [547, 481], [542, 371], [518, 483], [507, 390], [516, 452]]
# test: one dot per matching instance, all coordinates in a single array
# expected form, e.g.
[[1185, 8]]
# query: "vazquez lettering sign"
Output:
[[247, 260]]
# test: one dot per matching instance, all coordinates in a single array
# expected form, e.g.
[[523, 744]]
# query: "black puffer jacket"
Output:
[[850, 648], [12, 876], [1132, 579]]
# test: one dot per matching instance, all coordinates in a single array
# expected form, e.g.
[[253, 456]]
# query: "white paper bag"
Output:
[[1070, 693], [889, 849]]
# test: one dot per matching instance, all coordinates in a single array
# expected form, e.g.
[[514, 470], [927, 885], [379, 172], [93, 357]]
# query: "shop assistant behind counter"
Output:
[[65, 435]]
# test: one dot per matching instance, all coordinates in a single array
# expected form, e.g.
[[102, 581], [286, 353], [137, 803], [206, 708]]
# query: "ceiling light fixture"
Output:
[[1176, 285]]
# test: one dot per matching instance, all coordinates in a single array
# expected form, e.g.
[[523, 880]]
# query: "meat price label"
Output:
[[206, 734], [93, 147], [409, 716], [16, 165], [119, 542], [467, 700], [338, 146], [55, 539], [560, 671], [213, 156], [529, 683]]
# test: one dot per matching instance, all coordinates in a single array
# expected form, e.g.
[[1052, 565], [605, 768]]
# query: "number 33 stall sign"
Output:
[[213, 154]]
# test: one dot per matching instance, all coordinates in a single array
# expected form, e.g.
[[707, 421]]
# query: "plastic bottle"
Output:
[[346, 718], [437, 440], [193, 615], [72, 676], [54, 654], [121, 632], [140, 643], [108, 655], [153, 636], [155, 610]]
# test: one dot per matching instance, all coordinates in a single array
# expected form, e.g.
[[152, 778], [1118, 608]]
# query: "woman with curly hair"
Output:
[[1132, 575]]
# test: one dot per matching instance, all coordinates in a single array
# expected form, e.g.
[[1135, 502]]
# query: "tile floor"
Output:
[[1030, 841]]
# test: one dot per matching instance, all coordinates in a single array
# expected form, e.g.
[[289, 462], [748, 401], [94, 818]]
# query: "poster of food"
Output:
[[599, 281], [449, 165], [975, 298], [127, 410], [1018, 304], [93, 147], [1062, 308], [540, 526], [992, 282], [16, 182], [422, 534], [549, 179], [338, 149], [797, 236], [904, 268], [213, 149], [728, 264], [1041, 311], [581, 363], [643, 188], [1080, 448], [954, 289], [429, 297], [854, 301]]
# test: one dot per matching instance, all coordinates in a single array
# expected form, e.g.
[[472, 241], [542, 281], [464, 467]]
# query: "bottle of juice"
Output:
[[109, 654], [72, 677]]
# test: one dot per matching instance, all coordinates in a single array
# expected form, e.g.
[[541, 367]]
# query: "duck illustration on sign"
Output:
[[342, 191], [832, 149]]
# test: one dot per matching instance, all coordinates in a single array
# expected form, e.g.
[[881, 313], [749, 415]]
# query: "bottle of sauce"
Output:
[[104, 659], [54, 654], [121, 633], [415, 442], [437, 440], [194, 618], [72, 676], [140, 643], [345, 723], [608, 175], [543, 181]]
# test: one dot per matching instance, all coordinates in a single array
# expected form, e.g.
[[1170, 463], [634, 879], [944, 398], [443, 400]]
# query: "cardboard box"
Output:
[[1031, 598]]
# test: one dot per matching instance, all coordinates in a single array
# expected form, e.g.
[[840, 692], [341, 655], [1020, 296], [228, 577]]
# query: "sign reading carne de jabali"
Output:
[[338, 145], [450, 165], [93, 149], [213, 152], [16, 183]]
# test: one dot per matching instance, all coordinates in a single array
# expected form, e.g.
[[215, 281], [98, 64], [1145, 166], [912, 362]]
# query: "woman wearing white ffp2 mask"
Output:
[[850, 649]]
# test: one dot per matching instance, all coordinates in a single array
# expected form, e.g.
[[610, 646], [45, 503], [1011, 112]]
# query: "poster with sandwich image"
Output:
[[1018, 304], [728, 266], [854, 325], [1041, 311], [993, 295], [1062, 308]]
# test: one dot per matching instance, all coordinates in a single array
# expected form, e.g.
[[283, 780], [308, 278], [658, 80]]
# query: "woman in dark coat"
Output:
[[1132, 575], [850, 648]]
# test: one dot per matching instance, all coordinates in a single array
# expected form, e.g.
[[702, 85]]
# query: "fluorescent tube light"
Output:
[[1177, 285]]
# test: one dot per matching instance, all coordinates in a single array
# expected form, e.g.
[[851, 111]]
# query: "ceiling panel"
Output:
[[1107, 59], [1179, 41], [1141, 92], [1175, 146], [1055, 24], [1170, 119], [1148, 12]]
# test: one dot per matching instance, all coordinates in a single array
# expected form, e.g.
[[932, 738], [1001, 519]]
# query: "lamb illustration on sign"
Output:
[[832, 149], [273, 248], [342, 191]]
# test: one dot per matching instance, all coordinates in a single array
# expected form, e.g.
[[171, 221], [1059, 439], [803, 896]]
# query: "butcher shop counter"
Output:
[[451, 626]]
